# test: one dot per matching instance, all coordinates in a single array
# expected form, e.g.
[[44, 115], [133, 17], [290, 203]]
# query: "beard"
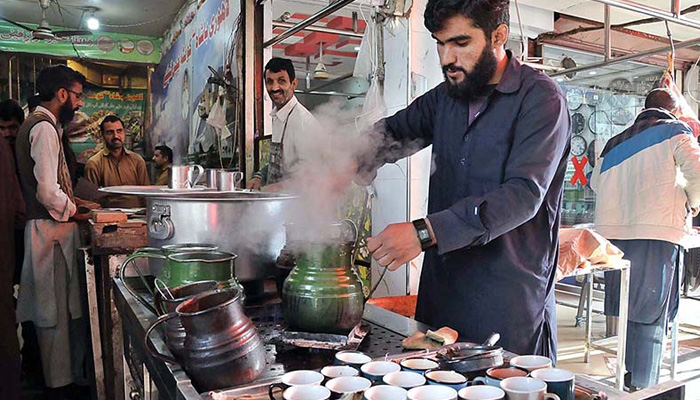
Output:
[[473, 84], [66, 113]]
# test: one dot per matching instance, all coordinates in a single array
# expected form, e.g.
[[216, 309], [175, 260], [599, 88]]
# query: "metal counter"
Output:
[[384, 339]]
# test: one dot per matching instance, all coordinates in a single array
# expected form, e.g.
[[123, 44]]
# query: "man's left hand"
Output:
[[395, 245]]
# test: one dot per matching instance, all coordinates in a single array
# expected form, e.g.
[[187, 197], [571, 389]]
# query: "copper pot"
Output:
[[222, 346], [175, 332]]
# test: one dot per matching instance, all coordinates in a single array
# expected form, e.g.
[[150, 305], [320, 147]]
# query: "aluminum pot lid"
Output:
[[163, 192]]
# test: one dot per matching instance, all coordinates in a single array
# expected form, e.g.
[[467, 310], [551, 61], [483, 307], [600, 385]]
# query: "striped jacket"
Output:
[[646, 180]]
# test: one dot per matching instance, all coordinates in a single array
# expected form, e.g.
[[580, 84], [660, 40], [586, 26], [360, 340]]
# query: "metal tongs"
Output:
[[461, 351]]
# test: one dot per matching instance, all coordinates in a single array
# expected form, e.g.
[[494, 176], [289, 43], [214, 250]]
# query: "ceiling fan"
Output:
[[43, 30]]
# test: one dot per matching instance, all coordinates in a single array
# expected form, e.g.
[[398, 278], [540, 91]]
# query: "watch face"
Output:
[[621, 116], [578, 145], [578, 122], [574, 98], [599, 123], [423, 234]]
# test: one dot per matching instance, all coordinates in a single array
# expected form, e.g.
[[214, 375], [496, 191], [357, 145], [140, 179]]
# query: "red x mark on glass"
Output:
[[578, 170]]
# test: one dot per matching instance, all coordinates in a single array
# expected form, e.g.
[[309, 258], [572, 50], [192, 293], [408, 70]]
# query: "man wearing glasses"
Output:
[[49, 293]]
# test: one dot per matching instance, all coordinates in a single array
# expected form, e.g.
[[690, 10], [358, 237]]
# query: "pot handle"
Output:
[[151, 348], [271, 390], [130, 259], [550, 396]]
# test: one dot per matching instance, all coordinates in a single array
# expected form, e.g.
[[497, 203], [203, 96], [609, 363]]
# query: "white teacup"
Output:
[[296, 378], [418, 364], [352, 358], [313, 392], [348, 386], [375, 370], [481, 392], [385, 392], [336, 371], [302, 378], [531, 363], [404, 379], [432, 392], [523, 388]]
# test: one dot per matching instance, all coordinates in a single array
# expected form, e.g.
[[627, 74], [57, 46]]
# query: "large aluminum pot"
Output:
[[248, 224]]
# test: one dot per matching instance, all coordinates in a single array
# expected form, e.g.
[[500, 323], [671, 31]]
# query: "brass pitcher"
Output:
[[222, 346], [167, 303], [323, 293]]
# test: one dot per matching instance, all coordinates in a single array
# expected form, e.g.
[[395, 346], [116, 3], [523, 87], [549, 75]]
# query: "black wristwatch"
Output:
[[423, 233]]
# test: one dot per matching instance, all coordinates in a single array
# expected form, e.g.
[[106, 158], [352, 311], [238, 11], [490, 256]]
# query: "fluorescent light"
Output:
[[93, 23], [357, 48], [592, 73], [560, 79]]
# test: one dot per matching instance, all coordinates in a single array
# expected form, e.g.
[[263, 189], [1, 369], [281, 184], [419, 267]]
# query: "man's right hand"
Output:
[[254, 183]]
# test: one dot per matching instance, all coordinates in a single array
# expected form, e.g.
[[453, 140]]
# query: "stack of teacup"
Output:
[[356, 377]]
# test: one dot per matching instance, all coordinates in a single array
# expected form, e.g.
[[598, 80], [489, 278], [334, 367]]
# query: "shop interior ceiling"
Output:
[[339, 50], [150, 18], [636, 38]]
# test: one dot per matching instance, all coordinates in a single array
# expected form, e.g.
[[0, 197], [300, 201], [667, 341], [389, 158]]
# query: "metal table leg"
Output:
[[622, 327], [674, 329], [589, 306], [91, 284]]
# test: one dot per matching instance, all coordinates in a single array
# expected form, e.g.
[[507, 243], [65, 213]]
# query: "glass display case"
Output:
[[602, 103]]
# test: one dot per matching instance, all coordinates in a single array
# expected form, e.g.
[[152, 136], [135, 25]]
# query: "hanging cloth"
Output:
[[685, 113]]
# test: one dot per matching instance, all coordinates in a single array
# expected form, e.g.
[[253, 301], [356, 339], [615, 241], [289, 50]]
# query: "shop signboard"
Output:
[[182, 98], [128, 104], [104, 46]]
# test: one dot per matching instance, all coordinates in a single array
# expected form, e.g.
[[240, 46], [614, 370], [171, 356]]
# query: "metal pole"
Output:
[[653, 12], [622, 326], [248, 142], [330, 9], [9, 76], [608, 38], [312, 28], [628, 57], [676, 8]]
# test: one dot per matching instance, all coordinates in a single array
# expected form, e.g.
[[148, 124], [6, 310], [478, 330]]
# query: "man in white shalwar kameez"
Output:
[[49, 292]]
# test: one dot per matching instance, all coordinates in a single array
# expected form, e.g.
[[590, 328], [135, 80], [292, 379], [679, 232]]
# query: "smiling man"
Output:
[[295, 132], [115, 165], [500, 136]]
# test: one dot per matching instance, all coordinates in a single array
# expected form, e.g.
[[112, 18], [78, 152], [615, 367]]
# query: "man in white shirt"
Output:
[[49, 292], [296, 135]]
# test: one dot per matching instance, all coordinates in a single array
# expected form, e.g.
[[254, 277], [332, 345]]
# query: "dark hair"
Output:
[[661, 98], [10, 109], [109, 118], [51, 79], [485, 14], [166, 152], [33, 101], [277, 64]]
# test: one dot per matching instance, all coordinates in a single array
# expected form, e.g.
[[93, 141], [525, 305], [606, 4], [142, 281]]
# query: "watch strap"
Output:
[[423, 233]]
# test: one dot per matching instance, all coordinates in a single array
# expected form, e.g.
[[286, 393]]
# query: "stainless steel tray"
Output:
[[197, 193]]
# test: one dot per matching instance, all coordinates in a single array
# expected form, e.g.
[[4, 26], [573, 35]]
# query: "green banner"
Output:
[[105, 46]]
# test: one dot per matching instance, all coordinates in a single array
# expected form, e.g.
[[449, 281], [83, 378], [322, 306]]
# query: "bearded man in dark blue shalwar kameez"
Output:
[[500, 133]]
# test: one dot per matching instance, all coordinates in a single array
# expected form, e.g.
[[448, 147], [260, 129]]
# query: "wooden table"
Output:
[[110, 243]]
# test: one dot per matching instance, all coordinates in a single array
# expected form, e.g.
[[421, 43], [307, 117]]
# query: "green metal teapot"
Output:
[[323, 293], [185, 263]]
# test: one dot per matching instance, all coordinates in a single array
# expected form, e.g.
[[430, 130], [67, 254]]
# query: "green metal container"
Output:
[[323, 293], [187, 267]]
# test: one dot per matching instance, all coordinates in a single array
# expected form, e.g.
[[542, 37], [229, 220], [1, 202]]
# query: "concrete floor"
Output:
[[602, 365]]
